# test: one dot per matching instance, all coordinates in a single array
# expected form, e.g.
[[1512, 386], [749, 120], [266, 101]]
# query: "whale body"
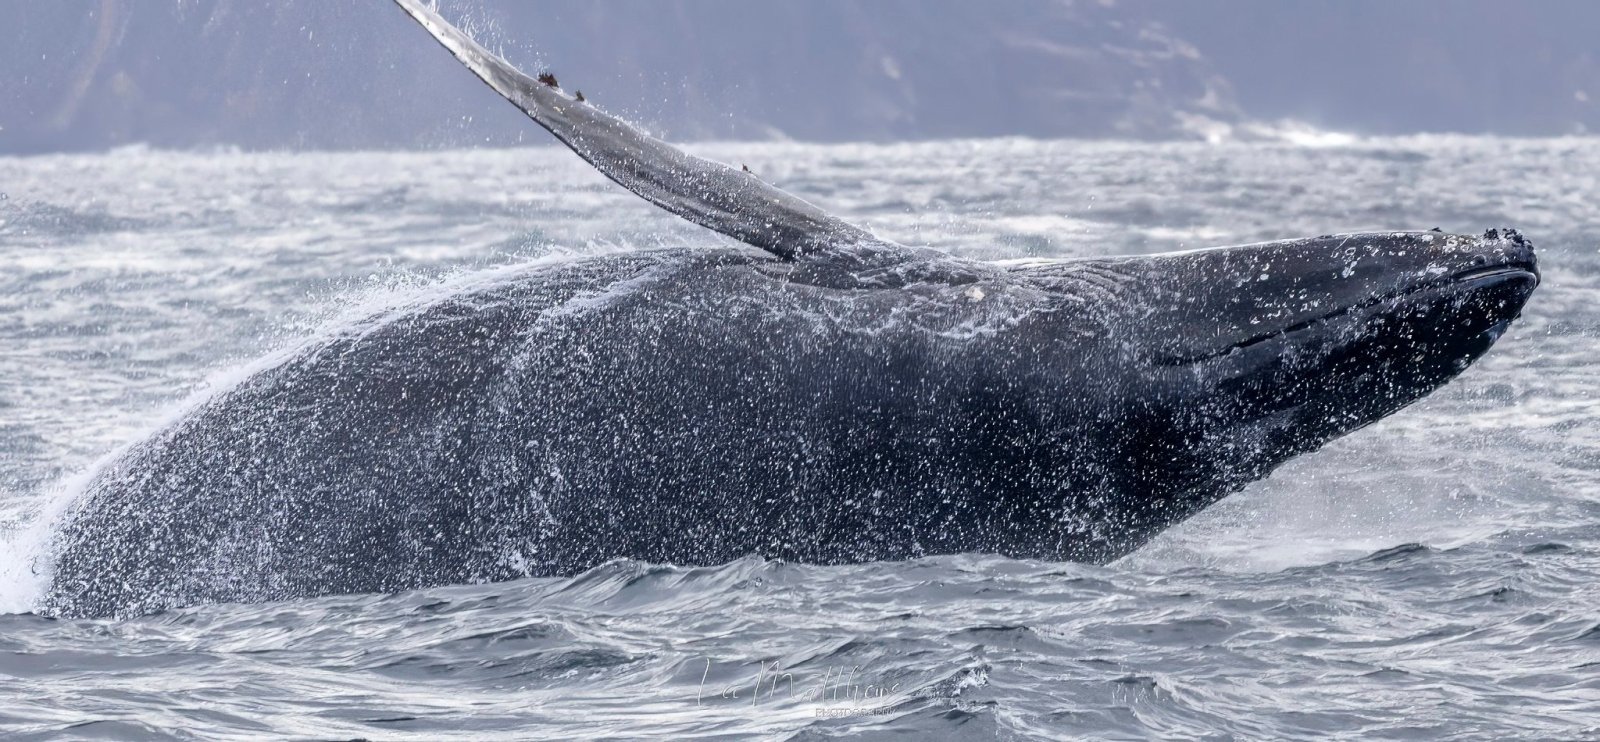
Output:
[[823, 396]]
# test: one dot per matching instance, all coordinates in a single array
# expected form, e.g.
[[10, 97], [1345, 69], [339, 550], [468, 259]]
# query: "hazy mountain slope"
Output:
[[102, 72], [306, 73]]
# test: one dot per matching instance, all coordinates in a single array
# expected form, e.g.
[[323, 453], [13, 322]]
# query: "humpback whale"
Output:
[[819, 394]]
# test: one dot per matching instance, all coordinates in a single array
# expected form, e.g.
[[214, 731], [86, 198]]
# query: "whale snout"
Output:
[[1504, 262], [1485, 284]]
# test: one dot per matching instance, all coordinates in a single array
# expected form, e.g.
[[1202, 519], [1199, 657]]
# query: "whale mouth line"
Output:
[[1498, 271], [1470, 279]]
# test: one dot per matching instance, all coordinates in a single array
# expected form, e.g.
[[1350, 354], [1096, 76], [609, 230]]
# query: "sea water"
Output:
[[1436, 575]]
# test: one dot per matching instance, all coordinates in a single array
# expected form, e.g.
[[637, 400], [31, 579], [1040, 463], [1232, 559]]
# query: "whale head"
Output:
[[1224, 363]]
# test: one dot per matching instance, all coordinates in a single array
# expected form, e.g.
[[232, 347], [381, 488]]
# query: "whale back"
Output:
[[681, 406]]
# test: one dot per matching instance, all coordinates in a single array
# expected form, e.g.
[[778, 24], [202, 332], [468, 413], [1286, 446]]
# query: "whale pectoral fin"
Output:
[[713, 195]]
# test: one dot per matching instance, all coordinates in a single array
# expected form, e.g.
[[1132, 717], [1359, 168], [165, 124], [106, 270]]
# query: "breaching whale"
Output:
[[823, 396]]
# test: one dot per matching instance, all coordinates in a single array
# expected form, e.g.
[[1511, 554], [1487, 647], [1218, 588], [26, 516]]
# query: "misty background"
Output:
[[313, 74]]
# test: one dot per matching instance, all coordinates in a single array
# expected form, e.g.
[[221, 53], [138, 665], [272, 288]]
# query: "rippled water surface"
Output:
[[1434, 576]]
